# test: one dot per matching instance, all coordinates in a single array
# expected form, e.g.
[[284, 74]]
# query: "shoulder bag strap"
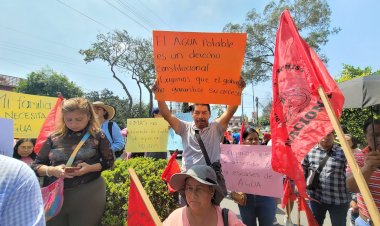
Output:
[[72, 157], [203, 148], [323, 162], [110, 129], [225, 216]]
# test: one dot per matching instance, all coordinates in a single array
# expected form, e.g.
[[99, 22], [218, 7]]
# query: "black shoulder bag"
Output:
[[217, 168], [312, 179]]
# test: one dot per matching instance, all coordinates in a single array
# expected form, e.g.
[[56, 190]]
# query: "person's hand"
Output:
[[354, 206], [57, 171], [155, 86], [372, 161], [242, 83], [84, 168]]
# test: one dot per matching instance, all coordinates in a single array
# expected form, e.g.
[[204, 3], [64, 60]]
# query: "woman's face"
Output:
[[76, 120], [25, 149], [100, 112], [198, 195], [251, 139]]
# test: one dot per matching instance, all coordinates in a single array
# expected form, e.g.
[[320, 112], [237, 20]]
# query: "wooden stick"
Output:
[[363, 187], [145, 197]]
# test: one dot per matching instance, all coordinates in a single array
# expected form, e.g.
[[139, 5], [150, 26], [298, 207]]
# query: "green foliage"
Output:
[[352, 119], [311, 17], [47, 82], [149, 172]]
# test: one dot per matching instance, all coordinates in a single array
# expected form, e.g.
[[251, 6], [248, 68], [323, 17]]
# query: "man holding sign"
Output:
[[202, 68], [200, 132]]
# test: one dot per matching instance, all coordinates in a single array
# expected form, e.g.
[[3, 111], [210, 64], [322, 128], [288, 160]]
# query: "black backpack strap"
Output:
[[110, 129], [323, 162], [225, 216], [203, 148]]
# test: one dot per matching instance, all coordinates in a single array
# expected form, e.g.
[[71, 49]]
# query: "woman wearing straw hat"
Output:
[[105, 113], [200, 189]]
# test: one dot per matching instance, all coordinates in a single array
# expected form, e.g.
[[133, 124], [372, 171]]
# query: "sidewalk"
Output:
[[280, 215]]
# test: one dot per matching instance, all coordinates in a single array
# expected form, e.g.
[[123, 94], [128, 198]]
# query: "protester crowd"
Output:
[[201, 185]]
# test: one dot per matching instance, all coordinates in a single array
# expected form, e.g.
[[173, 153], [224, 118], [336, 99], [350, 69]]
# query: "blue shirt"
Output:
[[118, 142], [20, 194]]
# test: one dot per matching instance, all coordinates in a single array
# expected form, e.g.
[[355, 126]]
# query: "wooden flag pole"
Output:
[[145, 197], [363, 187]]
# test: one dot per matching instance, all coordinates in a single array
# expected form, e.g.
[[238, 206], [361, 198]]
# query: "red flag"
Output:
[[298, 118], [138, 213], [49, 125], [241, 132], [171, 169]]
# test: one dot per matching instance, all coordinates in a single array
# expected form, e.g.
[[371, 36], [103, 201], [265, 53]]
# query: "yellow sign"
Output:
[[147, 135], [27, 111]]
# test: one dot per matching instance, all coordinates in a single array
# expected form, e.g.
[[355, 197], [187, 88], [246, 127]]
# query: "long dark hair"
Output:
[[19, 142], [248, 131]]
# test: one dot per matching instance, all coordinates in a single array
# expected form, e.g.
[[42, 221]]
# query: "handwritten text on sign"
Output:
[[27, 111], [147, 135], [198, 67], [247, 168]]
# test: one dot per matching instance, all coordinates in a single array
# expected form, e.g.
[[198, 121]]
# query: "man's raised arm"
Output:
[[225, 118], [168, 116]]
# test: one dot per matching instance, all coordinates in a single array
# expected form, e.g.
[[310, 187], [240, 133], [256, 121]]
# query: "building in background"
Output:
[[8, 83]]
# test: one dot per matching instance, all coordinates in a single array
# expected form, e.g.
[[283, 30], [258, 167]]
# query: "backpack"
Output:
[[117, 153]]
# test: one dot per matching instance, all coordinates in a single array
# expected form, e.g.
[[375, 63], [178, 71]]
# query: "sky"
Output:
[[50, 33]]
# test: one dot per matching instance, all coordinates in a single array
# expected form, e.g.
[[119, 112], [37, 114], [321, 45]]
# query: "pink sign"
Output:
[[247, 168]]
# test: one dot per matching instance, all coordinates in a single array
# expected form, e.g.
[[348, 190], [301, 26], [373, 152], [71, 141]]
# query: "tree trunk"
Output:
[[130, 101]]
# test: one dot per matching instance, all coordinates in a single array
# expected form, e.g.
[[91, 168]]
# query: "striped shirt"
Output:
[[373, 184], [332, 179]]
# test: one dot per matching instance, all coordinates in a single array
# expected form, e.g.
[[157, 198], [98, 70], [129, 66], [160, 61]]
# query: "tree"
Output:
[[313, 22], [352, 119], [111, 48], [47, 82], [108, 97], [139, 61], [265, 117]]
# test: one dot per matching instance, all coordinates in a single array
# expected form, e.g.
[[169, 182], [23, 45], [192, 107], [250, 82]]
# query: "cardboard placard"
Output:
[[199, 67], [27, 111], [247, 168], [147, 135]]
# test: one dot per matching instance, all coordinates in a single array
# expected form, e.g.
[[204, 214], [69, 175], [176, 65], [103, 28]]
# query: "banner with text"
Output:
[[147, 135], [27, 111], [199, 67], [247, 168]]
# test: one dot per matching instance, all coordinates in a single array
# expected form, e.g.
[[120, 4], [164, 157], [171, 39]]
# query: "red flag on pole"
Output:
[[49, 125], [298, 119], [140, 209], [241, 132], [171, 169]]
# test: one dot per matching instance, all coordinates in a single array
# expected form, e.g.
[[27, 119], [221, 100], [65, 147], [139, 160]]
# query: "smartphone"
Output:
[[71, 169]]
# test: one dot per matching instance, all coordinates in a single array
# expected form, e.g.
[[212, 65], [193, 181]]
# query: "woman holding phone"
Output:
[[84, 188]]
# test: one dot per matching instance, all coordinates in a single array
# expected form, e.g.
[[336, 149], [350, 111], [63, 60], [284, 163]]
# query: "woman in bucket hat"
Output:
[[202, 194], [105, 113]]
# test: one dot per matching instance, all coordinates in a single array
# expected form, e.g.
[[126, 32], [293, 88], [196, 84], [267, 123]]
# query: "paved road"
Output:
[[228, 203]]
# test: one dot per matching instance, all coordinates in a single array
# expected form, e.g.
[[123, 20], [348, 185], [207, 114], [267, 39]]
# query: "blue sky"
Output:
[[36, 34]]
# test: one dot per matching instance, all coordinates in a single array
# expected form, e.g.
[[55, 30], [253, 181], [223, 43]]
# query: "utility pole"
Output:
[[242, 108], [257, 111], [253, 102]]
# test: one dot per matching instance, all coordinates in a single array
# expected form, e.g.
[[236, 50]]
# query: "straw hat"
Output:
[[109, 109], [203, 174]]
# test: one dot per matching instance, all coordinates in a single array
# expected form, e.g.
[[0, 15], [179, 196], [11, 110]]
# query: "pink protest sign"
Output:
[[247, 168]]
